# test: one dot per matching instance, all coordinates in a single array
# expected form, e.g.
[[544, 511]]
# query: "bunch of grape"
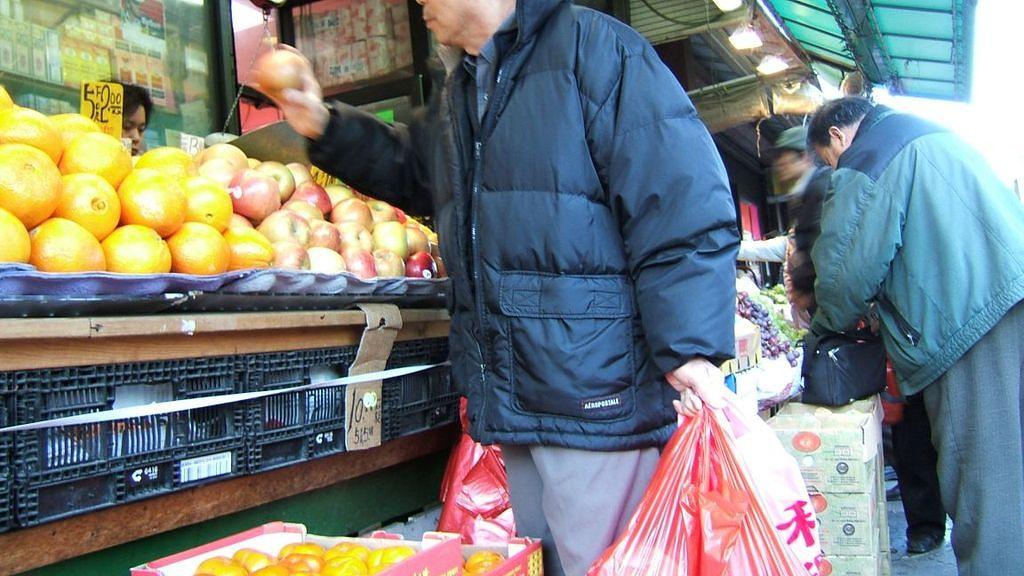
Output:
[[773, 344]]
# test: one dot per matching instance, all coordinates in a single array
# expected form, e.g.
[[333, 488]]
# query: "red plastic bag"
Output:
[[474, 491], [707, 513]]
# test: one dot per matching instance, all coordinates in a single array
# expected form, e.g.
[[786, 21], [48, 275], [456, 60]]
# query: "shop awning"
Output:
[[916, 47]]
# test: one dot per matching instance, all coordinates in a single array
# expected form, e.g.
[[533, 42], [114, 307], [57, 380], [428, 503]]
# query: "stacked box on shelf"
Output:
[[64, 470], [420, 401], [6, 443], [296, 426], [840, 457]]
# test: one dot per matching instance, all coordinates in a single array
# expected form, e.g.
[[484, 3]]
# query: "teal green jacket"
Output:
[[917, 223]]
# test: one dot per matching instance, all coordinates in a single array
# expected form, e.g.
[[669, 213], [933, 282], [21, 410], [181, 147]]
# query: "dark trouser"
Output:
[[915, 463], [976, 411], [577, 501]]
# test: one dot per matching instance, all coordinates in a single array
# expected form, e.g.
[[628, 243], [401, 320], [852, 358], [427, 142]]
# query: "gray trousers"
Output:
[[576, 501], [976, 410]]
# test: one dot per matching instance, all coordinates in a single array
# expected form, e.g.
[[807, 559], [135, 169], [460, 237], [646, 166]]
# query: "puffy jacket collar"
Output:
[[531, 16]]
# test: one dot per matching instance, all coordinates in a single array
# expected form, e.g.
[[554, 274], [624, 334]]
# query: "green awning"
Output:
[[916, 47]]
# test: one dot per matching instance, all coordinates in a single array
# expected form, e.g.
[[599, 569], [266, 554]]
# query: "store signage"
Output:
[[103, 102], [363, 415], [192, 144]]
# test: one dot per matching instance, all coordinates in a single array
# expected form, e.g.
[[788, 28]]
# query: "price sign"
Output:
[[103, 102], [192, 144], [362, 416], [322, 178]]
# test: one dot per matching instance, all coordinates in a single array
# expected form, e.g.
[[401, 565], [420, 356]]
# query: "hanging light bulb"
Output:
[[728, 5], [771, 64], [745, 38]]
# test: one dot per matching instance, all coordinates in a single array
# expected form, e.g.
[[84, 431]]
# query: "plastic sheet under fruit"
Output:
[[475, 492], [725, 500]]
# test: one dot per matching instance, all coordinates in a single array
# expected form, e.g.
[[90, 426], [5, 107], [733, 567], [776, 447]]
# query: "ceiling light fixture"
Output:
[[745, 38], [771, 64], [728, 5]]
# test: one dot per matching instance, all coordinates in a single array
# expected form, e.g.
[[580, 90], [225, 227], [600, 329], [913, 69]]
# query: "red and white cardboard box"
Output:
[[523, 557], [437, 553]]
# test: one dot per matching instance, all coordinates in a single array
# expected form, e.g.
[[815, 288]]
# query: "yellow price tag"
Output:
[[103, 102], [322, 178]]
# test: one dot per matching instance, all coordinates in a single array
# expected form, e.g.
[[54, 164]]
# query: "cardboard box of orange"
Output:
[[523, 557], [835, 447], [848, 523], [438, 554]]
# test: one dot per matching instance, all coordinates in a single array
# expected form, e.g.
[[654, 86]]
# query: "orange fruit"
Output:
[[198, 248], [347, 565], [171, 161], [252, 560], [135, 249], [71, 125], [483, 562], [60, 245], [275, 570], [29, 183], [91, 202], [249, 249], [221, 566], [296, 562], [16, 246], [348, 549], [6, 102], [301, 548], [30, 127], [97, 153], [383, 558], [152, 199], [208, 202]]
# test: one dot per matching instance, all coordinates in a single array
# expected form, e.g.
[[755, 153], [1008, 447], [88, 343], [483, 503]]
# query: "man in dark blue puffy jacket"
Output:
[[590, 235]]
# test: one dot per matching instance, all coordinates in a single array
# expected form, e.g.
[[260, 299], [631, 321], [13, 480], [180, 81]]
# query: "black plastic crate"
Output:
[[58, 454], [420, 401], [270, 452], [136, 479]]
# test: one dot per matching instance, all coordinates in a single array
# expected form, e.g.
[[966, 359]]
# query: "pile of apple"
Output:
[[328, 229]]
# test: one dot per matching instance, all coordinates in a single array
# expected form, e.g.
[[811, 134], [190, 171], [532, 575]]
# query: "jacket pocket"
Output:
[[903, 328], [570, 344]]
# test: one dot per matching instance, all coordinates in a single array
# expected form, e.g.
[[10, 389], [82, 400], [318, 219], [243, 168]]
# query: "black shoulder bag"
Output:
[[840, 368]]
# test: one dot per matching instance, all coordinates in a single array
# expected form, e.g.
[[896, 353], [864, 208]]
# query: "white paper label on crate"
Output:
[[203, 467], [192, 144]]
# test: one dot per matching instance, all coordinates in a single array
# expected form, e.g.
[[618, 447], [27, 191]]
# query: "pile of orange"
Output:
[[345, 559]]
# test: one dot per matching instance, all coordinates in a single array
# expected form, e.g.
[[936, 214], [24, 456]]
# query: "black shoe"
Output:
[[922, 543]]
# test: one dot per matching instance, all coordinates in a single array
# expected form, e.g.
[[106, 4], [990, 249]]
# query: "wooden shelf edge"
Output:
[[53, 542]]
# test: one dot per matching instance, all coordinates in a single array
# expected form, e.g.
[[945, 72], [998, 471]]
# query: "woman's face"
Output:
[[133, 128]]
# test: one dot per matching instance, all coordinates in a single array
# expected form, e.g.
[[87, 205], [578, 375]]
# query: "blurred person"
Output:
[[592, 253], [138, 109], [919, 224]]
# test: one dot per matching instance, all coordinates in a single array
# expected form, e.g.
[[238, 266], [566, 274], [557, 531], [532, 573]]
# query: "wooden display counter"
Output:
[[47, 343]]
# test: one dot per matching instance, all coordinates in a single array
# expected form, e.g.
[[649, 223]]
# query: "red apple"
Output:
[[325, 235], [290, 256], [304, 209], [286, 226], [401, 215], [389, 265], [352, 210], [325, 261], [254, 195], [224, 151], [219, 170], [278, 70], [278, 171], [360, 262], [338, 192], [391, 236], [416, 240], [355, 235], [382, 211], [300, 173], [421, 265], [314, 194], [239, 221]]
